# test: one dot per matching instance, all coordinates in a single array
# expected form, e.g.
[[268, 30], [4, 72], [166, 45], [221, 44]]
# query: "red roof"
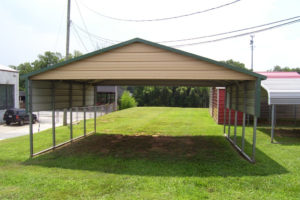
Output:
[[280, 74]]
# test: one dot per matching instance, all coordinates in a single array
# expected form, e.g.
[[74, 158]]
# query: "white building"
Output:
[[9, 89]]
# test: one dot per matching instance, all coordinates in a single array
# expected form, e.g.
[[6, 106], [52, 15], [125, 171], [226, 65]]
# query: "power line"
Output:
[[161, 19], [224, 33], [78, 37], [96, 36], [207, 36], [103, 43], [59, 30], [239, 35], [92, 43]]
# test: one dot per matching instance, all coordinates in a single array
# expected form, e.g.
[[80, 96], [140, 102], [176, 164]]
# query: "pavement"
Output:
[[44, 122]]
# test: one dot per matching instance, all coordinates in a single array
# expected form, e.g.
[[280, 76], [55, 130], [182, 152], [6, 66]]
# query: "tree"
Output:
[[171, 96], [49, 58], [23, 69], [234, 63], [44, 60], [277, 68]]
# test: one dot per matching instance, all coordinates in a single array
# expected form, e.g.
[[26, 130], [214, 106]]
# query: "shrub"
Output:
[[127, 101]]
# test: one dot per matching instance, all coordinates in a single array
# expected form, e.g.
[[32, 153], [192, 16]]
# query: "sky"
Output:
[[31, 27]]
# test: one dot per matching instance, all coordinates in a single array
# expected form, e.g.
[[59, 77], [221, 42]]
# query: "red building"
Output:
[[280, 87], [216, 106]]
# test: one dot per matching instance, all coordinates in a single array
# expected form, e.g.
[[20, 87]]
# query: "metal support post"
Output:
[[235, 126], [229, 110], [84, 108], [295, 114], [29, 86], [243, 131], [244, 116], [95, 108], [273, 123], [254, 138], [225, 105], [116, 98], [84, 121], [229, 122], [71, 124], [53, 113], [236, 111], [71, 111], [76, 109], [256, 113]]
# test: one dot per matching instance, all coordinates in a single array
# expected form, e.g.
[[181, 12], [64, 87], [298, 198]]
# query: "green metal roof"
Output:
[[238, 69]]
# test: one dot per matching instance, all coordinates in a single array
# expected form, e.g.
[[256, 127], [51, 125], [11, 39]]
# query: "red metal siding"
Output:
[[221, 111]]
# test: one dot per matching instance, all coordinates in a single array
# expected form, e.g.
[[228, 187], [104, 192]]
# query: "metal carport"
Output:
[[283, 88], [140, 62]]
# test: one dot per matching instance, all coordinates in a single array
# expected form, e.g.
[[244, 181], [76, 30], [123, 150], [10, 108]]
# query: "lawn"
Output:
[[151, 153]]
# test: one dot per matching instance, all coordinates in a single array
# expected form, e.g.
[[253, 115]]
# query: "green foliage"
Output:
[[23, 68], [127, 101], [277, 68], [234, 63], [172, 96], [47, 59]]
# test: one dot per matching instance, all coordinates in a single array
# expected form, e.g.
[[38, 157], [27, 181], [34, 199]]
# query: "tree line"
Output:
[[171, 96]]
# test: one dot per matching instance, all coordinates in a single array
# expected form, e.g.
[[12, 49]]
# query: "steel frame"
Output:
[[233, 142]]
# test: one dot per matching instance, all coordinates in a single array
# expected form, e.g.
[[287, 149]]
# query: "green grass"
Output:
[[150, 153]]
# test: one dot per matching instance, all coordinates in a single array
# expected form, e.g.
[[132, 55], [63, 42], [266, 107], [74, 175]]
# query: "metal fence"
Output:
[[81, 121]]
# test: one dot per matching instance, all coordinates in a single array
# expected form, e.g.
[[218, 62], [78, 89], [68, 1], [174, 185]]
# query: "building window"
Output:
[[7, 99]]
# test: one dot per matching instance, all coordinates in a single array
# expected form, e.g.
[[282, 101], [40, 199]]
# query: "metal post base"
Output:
[[239, 150]]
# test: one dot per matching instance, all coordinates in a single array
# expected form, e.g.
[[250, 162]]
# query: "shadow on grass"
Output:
[[283, 135], [199, 156]]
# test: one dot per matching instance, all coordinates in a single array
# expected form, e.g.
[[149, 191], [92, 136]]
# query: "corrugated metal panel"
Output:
[[237, 97], [282, 91], [141, 61], [42, 92]]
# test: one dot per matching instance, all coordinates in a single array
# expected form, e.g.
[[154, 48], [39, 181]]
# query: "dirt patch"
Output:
[[139, 145], [287, 132]]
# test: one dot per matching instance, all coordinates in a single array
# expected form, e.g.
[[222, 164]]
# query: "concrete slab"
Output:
[[45, 122]]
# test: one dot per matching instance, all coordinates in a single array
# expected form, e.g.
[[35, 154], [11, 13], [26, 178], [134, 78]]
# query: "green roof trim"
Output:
[[238, 69]]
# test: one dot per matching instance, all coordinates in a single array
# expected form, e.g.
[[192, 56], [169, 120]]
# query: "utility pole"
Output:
[[67, 50], [251, 44], [68, 29]]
